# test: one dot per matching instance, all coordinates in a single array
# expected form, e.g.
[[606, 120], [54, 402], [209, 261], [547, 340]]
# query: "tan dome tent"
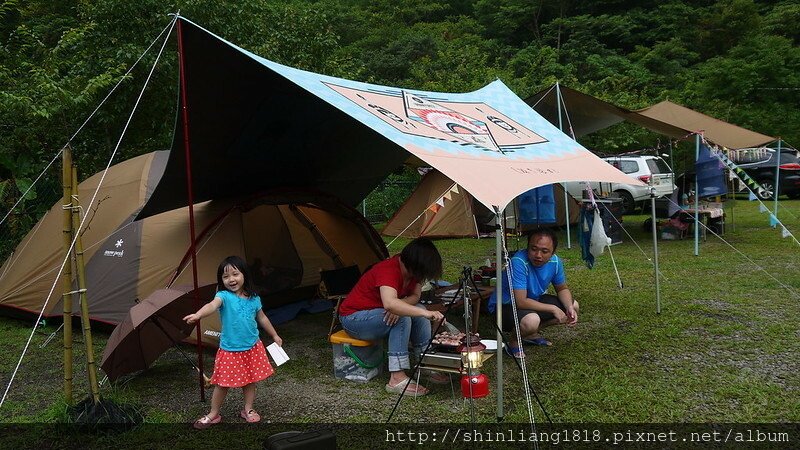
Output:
[[286, 236], [458, 214]]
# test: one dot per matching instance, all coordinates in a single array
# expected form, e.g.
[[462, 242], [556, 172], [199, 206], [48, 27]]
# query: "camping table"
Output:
[[705, 213], [440, 305]]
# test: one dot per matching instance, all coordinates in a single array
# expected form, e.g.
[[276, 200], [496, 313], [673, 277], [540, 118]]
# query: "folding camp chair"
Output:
[[337, 284]]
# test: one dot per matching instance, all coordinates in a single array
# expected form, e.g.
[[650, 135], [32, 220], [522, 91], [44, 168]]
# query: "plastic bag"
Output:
[[599, 240]]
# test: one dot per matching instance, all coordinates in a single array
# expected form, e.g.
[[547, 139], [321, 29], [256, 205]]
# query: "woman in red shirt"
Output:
[[384, 303]]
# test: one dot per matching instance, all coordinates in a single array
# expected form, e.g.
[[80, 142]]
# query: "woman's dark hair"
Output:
[[544, 232], [238, 264], [422, 260]]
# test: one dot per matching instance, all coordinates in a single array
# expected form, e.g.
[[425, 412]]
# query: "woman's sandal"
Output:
[[250, 416], [438, 377], [413, 388], [516, 352], [539, 340], [205, 422]]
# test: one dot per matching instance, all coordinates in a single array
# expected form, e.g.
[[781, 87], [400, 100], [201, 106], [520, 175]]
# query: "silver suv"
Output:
[[650, 169]]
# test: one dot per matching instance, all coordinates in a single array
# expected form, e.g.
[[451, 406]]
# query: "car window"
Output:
[[629, 166], [658, 165], [625, 165], [789, 158]]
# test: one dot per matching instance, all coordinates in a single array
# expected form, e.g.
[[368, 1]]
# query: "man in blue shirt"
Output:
[[532, 272]]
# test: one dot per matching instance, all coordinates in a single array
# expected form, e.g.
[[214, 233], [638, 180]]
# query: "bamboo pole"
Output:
[[66, 275], [87, 328]]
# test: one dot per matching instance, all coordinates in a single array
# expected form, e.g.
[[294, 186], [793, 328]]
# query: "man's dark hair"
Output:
[[240, 265], [422, 259], [544, 232]]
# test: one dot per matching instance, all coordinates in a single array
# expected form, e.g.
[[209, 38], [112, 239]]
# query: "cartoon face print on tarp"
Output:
[[466, 123]]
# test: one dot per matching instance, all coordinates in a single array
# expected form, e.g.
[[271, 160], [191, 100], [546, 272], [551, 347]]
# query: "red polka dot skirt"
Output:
[[237, 369]]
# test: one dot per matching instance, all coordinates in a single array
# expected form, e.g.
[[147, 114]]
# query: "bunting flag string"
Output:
[[433, 207], [752, 187], [439, 203]]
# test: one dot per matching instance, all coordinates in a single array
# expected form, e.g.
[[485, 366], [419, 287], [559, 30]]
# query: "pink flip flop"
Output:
[[205, 422], [250, 416]]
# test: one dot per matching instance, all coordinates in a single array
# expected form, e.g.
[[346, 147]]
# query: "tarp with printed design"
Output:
[[254, 124]]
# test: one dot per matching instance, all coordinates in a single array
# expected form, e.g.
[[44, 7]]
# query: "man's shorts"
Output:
[[548, 299]]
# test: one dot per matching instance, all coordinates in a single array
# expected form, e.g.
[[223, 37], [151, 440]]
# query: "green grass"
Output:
[[724, 348]]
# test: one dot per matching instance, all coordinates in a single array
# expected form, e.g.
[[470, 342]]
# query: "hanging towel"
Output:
[[585, 234]]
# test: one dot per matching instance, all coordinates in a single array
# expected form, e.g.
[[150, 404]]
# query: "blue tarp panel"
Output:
[[710, 174], [538, 206]]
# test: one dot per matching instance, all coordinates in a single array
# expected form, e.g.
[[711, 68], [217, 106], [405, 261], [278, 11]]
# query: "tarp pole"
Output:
[[696, 197], [564, 185], [777, 181], [655, 247], [499, 309], [66, 276], [190, 197], [671, 161]]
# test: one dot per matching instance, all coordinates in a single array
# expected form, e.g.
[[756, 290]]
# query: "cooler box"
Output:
[[354, 359]]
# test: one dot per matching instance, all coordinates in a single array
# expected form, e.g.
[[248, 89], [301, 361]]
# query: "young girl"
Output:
[[241, 359]]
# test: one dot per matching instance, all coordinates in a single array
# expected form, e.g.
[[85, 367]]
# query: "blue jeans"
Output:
[[369, 325]]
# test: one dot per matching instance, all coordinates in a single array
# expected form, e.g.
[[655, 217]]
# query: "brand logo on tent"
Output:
[[116, 253], [465, 123]]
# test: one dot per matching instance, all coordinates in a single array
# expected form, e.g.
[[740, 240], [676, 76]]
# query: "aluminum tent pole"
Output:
[[671, 161], [499, 309], [696, 197], [655, 247], [190, 198], [564, 185], [777, 182]]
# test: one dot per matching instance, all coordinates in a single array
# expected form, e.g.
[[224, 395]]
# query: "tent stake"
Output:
[[66, 276], [87, 327]]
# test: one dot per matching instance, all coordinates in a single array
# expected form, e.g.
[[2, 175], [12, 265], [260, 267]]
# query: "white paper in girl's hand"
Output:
[[277, 353]]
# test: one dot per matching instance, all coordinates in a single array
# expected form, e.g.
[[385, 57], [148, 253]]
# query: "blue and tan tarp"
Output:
[[255, 125]]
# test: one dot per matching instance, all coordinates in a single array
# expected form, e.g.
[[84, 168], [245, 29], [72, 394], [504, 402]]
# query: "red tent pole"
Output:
[[190, 195]]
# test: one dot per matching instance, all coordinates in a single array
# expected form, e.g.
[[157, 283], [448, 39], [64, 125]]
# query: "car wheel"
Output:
[[628, 205], [769, 189]]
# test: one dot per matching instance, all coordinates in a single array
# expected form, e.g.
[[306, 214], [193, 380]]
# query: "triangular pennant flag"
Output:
[[455, 189], [448, 195], [440, 202], [773, 221], [435, 207], [762, 208], [785, 233], [751, 195]]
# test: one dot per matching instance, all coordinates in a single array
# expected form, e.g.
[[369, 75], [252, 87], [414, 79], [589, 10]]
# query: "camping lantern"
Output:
[[474, 384]]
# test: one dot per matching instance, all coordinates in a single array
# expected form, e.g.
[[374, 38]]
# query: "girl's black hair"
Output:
[[544, 232], [422, 259], [240, 265]]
